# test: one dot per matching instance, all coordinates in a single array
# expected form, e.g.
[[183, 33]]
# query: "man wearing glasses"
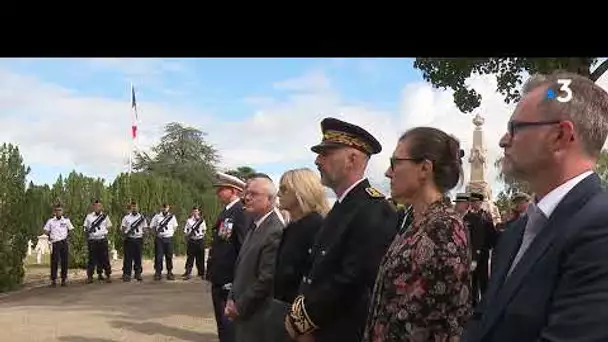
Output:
[[550, 277]]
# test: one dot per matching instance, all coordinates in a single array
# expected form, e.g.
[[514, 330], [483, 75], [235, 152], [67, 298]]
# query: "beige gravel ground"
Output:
[[148, 311]]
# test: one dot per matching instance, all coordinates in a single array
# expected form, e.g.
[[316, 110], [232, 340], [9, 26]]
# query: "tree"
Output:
[[13, 230], [443, 73], [453, 72], [602, 167], [242, 172], [183, 154]]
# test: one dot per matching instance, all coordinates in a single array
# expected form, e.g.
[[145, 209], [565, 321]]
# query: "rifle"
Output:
[[163, 224], [95, 225], [135, 224], [196, 227]]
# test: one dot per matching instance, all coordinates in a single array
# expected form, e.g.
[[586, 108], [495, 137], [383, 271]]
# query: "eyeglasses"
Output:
[[394, 160], [515, 125]]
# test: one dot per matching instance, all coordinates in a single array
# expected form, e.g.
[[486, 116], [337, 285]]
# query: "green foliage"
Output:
[[182, 154], [13, 231], [602, 167], [242, 172], [179, 174], [453, 73], [503, 202]]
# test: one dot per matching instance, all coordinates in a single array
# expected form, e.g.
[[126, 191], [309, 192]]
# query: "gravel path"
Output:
[[99, 312]]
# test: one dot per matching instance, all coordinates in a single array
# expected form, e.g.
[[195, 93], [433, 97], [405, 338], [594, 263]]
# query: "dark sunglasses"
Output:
[[514, 125], [394, 160]]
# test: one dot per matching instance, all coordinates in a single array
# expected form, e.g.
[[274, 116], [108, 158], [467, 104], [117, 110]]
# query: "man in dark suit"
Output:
[[228, 236], [550, 280], [255, 265], [334, 297]]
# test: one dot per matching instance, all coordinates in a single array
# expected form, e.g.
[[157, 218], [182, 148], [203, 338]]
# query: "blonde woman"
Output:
[[303, 197]]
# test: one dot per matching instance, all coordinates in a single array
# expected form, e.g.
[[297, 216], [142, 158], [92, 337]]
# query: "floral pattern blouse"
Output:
[[422, 290]]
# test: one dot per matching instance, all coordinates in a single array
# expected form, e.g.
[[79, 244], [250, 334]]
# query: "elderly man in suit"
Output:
[[253, 277], [550, 280]]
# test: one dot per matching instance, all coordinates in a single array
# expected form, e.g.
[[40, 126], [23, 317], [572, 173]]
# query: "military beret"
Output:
[[225, 180], [338, 133], [476, 196], [462, 197]]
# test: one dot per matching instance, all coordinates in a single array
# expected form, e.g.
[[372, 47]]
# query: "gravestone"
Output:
[[43, 247], [30, 246]]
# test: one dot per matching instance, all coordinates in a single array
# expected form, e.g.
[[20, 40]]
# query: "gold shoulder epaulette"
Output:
[[373, 192]]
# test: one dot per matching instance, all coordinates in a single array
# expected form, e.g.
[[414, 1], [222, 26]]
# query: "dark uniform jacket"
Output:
[[481, 228], [225, 249], [293, 258], [334, 296]]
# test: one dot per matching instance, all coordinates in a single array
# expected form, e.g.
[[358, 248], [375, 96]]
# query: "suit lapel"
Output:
[[554, 227]]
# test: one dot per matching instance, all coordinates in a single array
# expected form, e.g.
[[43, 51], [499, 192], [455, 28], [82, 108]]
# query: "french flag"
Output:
[[134, 107]]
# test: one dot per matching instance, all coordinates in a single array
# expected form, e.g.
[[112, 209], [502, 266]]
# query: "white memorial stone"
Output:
[[30, 246], [43, 247], [114, 254]]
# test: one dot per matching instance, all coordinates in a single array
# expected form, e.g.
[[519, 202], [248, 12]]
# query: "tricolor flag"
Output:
[[134, 107]]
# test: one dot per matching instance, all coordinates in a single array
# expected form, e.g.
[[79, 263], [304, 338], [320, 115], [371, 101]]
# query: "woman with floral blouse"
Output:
[[422, 290]]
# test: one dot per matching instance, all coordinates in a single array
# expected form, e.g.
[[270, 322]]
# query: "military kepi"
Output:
[[230, 181], [476, 196], [337, 133]]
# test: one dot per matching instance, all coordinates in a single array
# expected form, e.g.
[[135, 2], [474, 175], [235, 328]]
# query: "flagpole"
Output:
[[132, 145]]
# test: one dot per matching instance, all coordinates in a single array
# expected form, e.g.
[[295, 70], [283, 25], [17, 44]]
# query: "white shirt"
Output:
[[229, 205], [199, 233], [170, 227], [57, 229], [548, 203], [259, 221], [341, 198], [129, 219], [102, 229]]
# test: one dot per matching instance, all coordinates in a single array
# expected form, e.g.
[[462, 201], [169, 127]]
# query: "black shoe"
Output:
[[53, 284], [157, 276], [89, 280], [108, 279], [126, 278], [138, 277], [186, 276], [63, 283], [170, 276], [100, 277]]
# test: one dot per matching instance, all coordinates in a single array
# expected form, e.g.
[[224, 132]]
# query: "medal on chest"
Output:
[[225, 229]]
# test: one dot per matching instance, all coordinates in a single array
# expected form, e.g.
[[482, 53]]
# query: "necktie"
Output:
[[536, 221]]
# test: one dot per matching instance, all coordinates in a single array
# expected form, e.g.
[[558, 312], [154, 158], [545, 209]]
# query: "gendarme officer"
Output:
[[334, 296]]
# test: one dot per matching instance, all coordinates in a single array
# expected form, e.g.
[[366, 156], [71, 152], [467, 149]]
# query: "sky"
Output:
[[75, 114]]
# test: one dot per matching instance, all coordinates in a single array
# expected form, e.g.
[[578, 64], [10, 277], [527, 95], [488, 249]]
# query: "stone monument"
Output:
[[477, 159], [30, 247]]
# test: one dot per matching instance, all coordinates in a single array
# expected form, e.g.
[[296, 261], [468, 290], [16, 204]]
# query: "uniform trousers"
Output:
[[59, 252], [163, 248], [132, 256], [225, 327], [98, 256], [480, 276], [195, 253]]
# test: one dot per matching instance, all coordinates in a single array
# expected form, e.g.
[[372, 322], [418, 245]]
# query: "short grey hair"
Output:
[[587, 110], [269, 186]]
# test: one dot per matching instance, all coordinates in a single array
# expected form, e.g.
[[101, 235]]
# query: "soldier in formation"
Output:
[[132, 230], [96, 226], [163, 224], [58, 228], [194, 232]]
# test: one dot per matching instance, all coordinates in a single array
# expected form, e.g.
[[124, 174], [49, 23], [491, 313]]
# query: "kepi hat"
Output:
[[338, 133], [462, 197]]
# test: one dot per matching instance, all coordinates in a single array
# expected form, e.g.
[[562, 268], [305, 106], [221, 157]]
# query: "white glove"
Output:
[[473, 265], [227, 287]]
